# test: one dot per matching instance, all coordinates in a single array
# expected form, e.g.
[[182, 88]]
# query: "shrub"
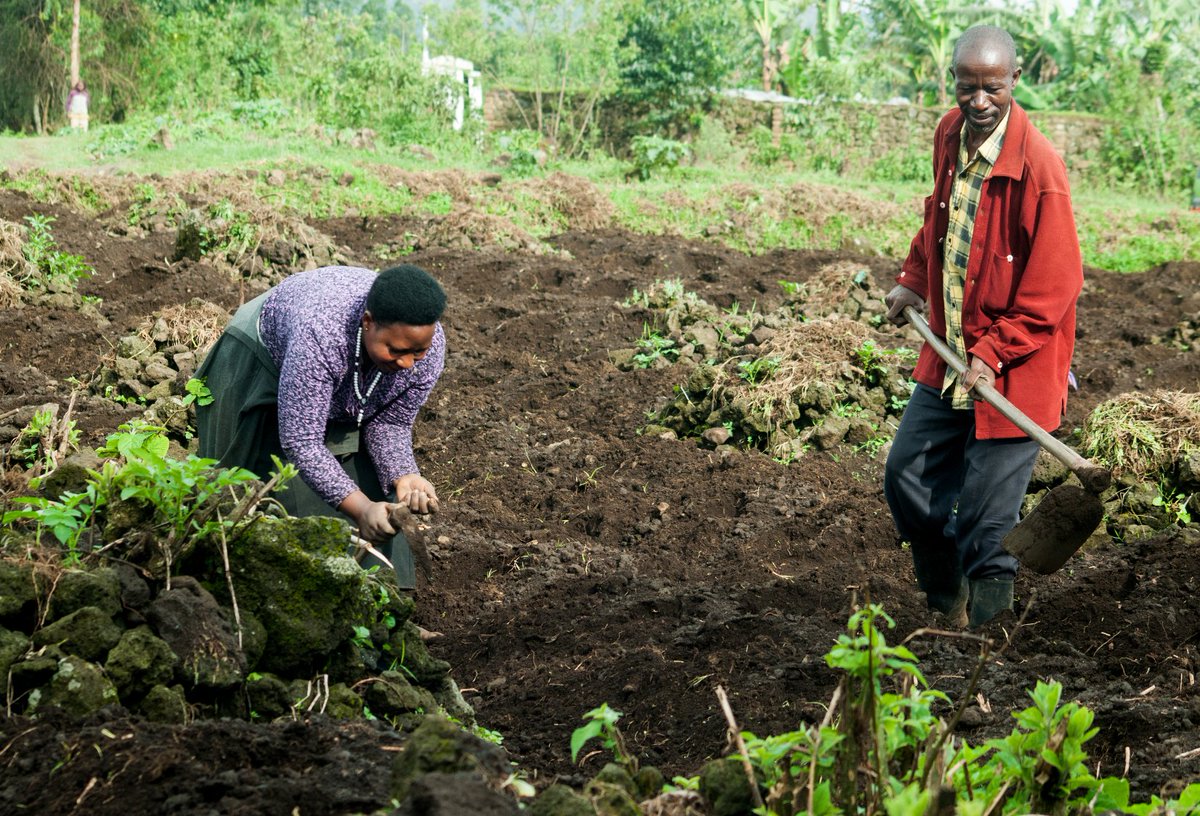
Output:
[[654, 153]]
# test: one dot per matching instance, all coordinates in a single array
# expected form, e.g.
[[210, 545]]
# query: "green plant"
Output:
[[142, 206], [662, 294], [523, 150], [654, 153], [1043, 761], [674, 53], [884, 747], [183, 497], [196, 392], [602, 723], [1173, 503], [55, 270], [228, 230], [39, 444], [65, 518], [361, 637], [902, 164], [757, 370], [653, 347], [870, 358]]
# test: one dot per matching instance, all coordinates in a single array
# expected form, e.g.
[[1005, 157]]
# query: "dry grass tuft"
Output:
[[803, 354], [10, 292], [13, 266], [581, 204], [470, 229], [1143, 434], [828, 291], [197, 324]]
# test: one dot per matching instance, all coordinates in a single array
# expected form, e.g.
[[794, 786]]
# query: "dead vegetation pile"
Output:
[[575, 201], [196, 325], [458, 186], [1146, 435], [13, 264], [777, 381], [793, 362], [819, 203], [220, 217], [232, 224], [153, 366], [91, 194], [471, 229], [841, 288]]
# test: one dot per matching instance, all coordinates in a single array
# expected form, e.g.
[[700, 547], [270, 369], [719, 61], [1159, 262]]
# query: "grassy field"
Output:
[[750, 208]]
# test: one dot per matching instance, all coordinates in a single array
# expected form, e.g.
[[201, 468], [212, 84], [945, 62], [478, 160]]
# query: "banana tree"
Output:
[[925, 31], [767, 18]]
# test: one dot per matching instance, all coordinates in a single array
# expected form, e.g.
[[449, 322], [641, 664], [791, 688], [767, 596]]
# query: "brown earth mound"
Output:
[[578, 562]]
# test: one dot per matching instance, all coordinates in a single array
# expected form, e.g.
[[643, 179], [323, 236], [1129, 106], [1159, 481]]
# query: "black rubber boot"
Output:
[[942, 581], [989, 597]]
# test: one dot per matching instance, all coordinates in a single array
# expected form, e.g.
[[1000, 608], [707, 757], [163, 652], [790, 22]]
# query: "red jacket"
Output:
[[1023, 277]]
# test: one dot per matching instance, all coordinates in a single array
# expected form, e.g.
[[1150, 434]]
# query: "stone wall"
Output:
[[871, 128]]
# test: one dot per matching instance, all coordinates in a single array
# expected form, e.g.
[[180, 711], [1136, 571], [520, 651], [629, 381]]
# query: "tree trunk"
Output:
[[75, 44]]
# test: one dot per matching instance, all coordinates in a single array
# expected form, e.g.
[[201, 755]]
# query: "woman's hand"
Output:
[[373, 524], [417, 493], [371, 517]]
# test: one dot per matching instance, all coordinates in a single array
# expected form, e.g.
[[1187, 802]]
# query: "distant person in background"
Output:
[[997, 262], [327, 371], [77, 106]]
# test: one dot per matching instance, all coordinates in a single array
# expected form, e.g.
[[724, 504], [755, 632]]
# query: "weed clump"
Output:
[[1144, 435], [1152, 443]]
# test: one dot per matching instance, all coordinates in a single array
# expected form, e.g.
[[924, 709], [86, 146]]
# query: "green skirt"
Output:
[[240, 428]]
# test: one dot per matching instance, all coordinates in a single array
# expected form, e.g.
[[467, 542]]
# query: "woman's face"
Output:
[[395, 346]]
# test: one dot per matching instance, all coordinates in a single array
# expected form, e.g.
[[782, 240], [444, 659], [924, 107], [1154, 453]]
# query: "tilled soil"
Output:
[[577, 562]]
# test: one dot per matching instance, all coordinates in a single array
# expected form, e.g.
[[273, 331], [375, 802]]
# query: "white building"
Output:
[[464, 93]]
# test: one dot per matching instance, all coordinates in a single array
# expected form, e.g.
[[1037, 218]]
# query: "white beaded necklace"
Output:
[[362, 398]]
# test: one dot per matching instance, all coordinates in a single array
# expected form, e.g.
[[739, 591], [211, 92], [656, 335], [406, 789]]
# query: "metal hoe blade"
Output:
[[1055, 529]]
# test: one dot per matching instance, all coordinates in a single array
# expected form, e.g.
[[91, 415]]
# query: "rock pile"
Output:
[[153, 365], [813, 373], [296, 627]]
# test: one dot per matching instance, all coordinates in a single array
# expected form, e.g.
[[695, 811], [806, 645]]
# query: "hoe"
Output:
[[1069, 514]]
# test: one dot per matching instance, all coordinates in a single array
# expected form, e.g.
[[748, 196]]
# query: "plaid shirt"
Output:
[[964, 201]]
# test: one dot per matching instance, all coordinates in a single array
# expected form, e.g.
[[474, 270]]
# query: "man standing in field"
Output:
[[997, 261]]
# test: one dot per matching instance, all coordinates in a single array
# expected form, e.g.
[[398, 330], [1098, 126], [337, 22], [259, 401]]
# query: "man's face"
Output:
[[983, 85]]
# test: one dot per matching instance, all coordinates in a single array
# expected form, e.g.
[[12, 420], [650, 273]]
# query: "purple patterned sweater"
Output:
[[309, 324]]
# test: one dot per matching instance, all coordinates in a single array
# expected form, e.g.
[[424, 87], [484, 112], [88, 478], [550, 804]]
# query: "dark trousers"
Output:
[[954, 497]]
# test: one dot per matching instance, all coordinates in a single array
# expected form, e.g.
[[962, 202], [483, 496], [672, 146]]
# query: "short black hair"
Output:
[[983, 36], [406, 294]]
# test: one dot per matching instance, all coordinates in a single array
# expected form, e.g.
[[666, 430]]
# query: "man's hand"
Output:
[[373, 524], [978, 372], [417, 493], [897, 299]]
